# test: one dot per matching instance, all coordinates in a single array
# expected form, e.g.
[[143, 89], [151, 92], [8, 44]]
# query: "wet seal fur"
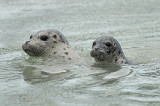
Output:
[[107, 49], [50, 43]]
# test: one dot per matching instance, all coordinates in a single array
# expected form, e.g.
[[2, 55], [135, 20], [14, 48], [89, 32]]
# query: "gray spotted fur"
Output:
[[107, 49], [54, 46]]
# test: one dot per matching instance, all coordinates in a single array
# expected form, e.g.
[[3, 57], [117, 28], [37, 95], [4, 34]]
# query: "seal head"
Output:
[[42, 41], [107, 49]]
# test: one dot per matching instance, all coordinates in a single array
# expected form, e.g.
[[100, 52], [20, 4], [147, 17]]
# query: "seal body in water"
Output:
[[107, 49], [50, 43]]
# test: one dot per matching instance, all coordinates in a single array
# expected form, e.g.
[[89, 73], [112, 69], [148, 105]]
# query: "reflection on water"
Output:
[[30, 81], [38, 73], [33, 75]]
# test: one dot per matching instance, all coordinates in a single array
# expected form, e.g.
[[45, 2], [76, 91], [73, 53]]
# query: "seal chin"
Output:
[[100, 58], [29, 52]]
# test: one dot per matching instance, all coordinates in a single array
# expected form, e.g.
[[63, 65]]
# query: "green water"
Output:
[[135, 24]]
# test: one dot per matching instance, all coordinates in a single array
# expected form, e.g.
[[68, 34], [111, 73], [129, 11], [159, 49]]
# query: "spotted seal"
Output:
[[107, 49], [50, 43]]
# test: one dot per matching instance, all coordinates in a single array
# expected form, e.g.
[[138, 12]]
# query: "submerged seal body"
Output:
[[49, 43], [108, 50]]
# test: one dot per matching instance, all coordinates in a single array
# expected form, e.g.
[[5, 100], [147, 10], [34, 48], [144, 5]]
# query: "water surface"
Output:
[[135, 24]]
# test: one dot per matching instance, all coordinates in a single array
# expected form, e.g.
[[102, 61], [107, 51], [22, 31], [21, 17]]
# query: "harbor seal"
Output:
[[108, 50], [50, 43]]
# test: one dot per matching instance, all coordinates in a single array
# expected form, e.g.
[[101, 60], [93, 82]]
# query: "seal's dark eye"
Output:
[[44, 38], [94, 43], [108, 44], [55, 36]]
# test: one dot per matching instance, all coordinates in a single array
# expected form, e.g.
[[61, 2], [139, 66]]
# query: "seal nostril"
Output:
[[96, 49]]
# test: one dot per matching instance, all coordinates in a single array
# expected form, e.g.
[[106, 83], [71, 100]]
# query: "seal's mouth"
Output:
[[103, 58], [30, 52], [34, 52], [100, 56]]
